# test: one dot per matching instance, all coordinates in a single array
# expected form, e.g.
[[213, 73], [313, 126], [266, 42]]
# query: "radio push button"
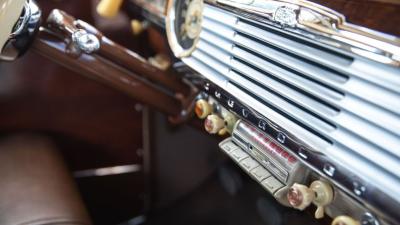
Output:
[[271, 184], [213, 124], [249, 164], [228, 146], [260, 173], [238, 155]]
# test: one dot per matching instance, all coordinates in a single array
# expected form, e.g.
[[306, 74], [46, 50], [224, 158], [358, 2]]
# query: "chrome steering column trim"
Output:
[[23, 32]]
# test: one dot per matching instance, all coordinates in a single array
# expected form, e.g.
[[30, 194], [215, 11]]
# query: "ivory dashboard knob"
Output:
[[109, 8], [345, 220], [230, 121], [213, 124], [223, 131], [300, 196], [138, 26], [202, 108], [323, 196]]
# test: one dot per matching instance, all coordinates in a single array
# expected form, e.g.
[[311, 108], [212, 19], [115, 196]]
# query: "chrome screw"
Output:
[[85, 41]]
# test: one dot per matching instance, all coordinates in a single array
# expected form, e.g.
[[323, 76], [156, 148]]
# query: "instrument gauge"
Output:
[[183, 24]]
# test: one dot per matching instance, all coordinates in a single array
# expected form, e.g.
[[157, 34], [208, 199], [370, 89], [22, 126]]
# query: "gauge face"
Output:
[[183, 22]]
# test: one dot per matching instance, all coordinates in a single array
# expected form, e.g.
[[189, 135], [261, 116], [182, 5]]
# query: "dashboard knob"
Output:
[[345, 220], [230, 121], [213, 124], [109, 8], [300, 196], [138, 26], [202, 108], [323, 193]]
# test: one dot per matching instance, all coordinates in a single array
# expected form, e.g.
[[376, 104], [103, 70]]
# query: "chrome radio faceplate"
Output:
[[269, 153]]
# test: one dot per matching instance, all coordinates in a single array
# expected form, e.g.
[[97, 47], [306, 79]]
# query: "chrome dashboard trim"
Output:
[[108, 171], [339, 111], [332, 149], [170, 18], [23, 20], [320, 24]]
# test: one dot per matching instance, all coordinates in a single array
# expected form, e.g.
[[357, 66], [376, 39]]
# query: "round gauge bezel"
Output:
[[176, 48]]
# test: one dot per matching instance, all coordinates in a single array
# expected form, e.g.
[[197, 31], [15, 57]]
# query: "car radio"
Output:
[[268, 152], [266, 160]]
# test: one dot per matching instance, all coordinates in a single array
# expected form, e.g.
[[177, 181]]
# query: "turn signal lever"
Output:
[[79, 46]]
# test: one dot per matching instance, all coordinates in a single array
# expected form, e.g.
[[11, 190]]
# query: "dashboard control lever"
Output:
[[82, 48]]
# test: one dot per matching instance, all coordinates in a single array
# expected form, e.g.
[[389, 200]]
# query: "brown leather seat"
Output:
[[35, 186]]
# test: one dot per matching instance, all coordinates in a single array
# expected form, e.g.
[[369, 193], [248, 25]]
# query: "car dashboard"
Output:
[[306, 103], [310, 102]]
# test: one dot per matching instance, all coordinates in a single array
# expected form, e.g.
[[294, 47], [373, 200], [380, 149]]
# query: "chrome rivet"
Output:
[[281, 137], [358, 188], [329, 170], [262, 125], [217, 94], [231, 103]]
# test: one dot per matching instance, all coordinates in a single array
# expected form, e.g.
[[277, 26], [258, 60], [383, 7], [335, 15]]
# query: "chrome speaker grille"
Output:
[[344, 106]]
